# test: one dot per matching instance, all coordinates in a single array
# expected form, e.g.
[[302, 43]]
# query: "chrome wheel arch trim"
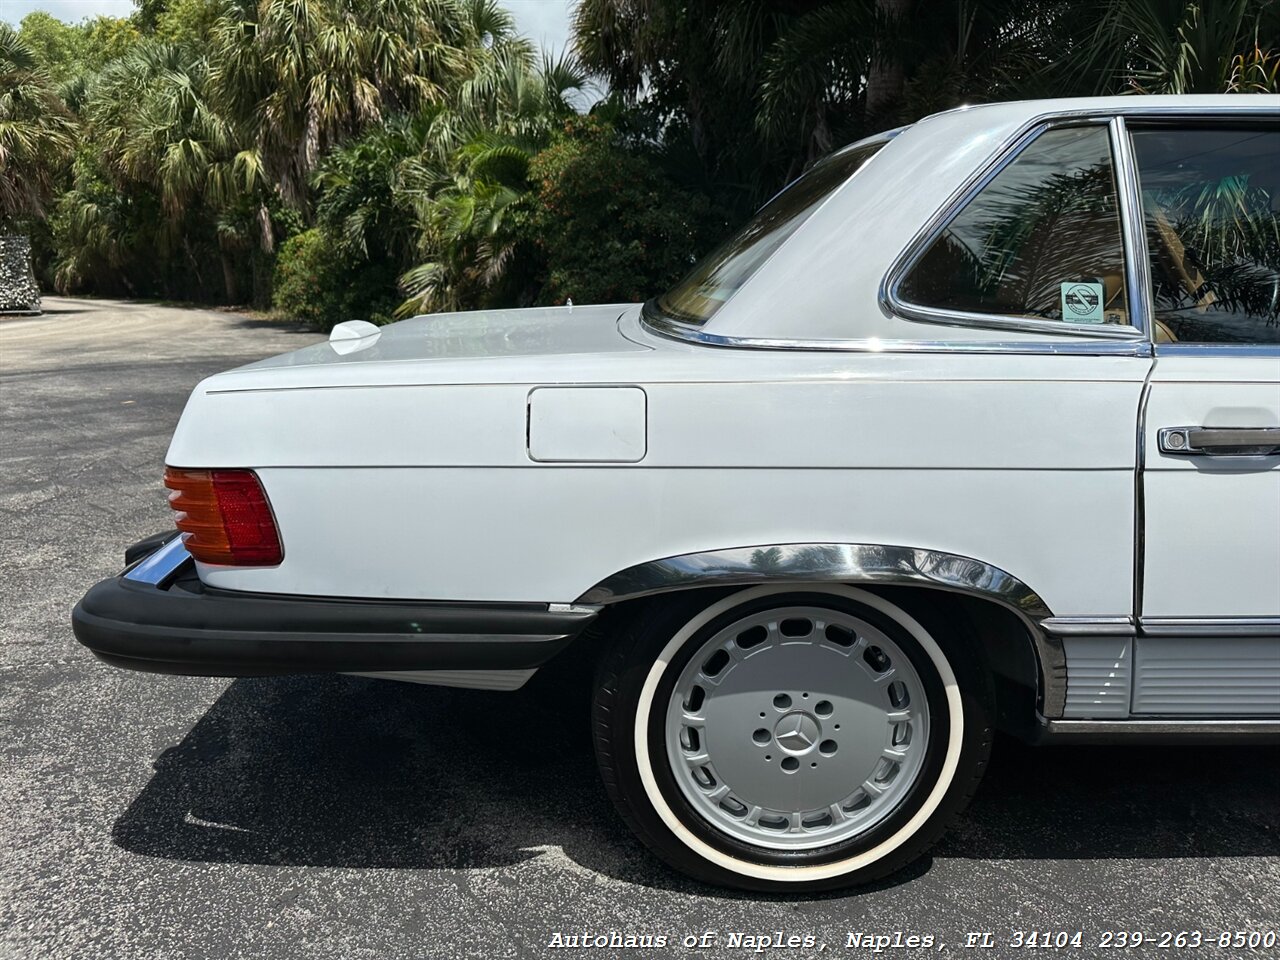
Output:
[[822, 562], [852, 564]]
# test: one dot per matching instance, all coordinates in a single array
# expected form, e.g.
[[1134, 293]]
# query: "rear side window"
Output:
[[1041, 240], [1211, 204]]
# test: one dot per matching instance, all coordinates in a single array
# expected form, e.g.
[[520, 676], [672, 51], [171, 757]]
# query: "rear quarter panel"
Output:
[[426, 490]]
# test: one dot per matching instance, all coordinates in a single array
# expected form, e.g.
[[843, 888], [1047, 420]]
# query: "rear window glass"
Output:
[[697, 297]]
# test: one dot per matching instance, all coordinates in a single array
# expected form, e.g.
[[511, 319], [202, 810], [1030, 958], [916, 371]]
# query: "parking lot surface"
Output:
[[151, 816]]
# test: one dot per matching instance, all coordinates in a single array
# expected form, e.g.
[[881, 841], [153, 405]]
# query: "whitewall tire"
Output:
[[791, 737]]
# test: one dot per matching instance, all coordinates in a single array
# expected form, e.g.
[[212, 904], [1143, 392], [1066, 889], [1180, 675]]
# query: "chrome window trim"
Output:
[[1137, 261], [1128, 189], [890, 286], [853, 563], [1128, 347]]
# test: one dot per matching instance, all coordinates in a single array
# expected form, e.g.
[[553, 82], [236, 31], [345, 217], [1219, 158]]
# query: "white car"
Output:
[[975, 426]]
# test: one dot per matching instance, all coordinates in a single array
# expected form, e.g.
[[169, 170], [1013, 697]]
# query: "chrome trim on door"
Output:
[[856, 563], [1140, 498], [1211, 627], [1089, 626]]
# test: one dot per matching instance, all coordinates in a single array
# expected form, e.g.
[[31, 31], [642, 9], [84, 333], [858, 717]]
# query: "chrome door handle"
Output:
[[1220, 441]]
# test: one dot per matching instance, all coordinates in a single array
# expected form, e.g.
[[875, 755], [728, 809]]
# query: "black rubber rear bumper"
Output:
[[185, 627]]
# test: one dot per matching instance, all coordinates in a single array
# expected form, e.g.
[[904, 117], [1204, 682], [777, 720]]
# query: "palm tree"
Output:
[[1179, 46], [467, 182], [156, 127], [465, 226], [305, 75], [1255, 71], [364, 198], [37, 132], [152, 115]]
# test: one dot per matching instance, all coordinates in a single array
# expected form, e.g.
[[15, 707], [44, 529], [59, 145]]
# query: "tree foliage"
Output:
[[761, 88], [36, 131], [371, 157], [317, 284], [612, 226]]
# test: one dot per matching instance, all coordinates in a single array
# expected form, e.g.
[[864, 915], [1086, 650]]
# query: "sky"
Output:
[[546, 22]]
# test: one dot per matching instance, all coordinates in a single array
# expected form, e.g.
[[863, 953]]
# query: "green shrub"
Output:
[[319, 285], [612, 224]]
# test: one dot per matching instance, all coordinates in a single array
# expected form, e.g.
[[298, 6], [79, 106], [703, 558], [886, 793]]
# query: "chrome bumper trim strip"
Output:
[[158, 567]]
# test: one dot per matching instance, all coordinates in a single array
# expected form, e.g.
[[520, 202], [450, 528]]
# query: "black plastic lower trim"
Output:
[[188, 628]]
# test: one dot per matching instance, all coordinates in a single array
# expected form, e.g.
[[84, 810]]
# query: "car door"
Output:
[[1209, 607]]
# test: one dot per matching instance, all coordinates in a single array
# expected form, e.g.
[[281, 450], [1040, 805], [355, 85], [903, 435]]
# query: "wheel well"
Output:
[[999, 637]]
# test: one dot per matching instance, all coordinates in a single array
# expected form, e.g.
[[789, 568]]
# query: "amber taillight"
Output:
[[224, 516]]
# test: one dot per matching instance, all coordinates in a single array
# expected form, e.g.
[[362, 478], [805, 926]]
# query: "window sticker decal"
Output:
[[1082, 302]]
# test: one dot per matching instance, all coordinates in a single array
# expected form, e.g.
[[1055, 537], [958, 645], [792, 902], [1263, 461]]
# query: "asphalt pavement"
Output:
[[151, 816]]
